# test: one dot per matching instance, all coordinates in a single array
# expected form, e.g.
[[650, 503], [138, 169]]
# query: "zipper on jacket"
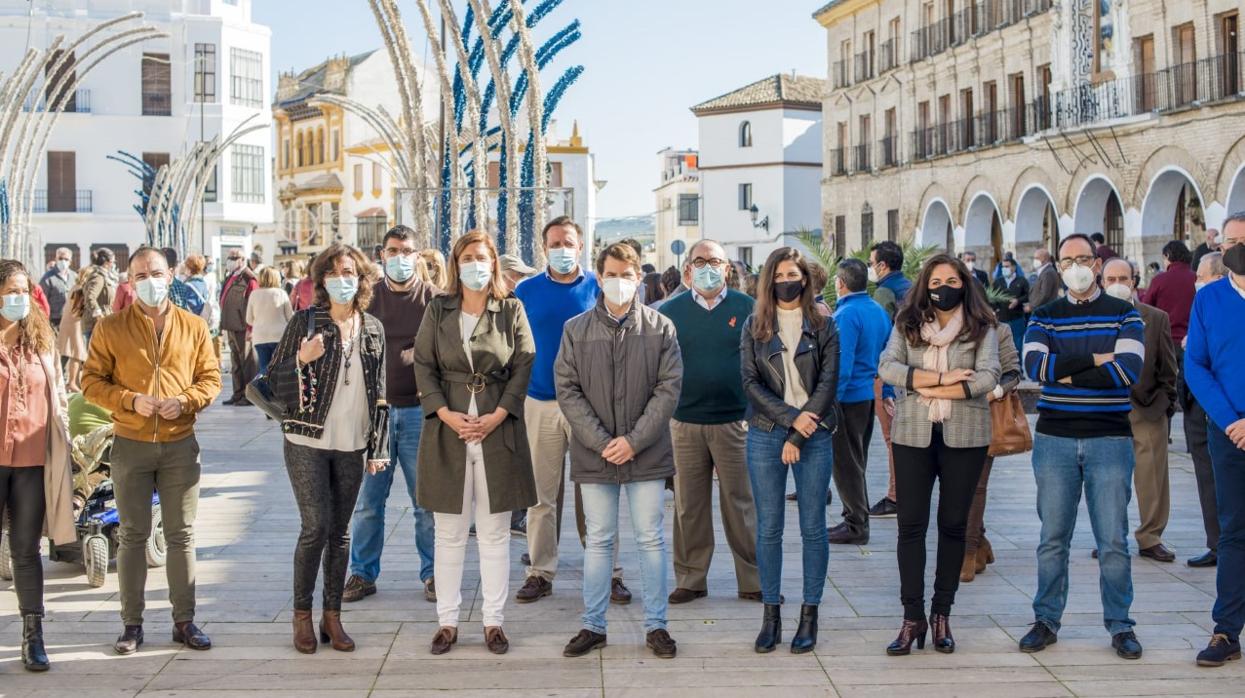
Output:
[[158, 341]]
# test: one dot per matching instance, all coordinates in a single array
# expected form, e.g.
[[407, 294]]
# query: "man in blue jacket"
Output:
[[1213, 372], [886, 270], [864, 328]]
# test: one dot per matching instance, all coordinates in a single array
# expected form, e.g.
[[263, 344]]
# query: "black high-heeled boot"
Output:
[[771, 629], [806, 632], [943, 641], [34, 654], [911, 631]]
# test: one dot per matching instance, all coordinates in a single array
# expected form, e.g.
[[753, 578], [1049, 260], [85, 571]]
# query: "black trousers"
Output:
[[1195, 436], [21, 498], [851, 454], [957, 471], [326, 485], [242, 364]]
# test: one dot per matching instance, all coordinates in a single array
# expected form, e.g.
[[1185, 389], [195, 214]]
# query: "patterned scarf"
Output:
[[935, 361]]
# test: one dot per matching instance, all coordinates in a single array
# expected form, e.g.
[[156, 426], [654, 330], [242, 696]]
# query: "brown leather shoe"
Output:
[[444, 640], [662, 645], [681, 595], [495, 640], [356, 588], [534, 589], [331, 631], [304, 633], [619, 593], [1159, 553], [968, 570], [190, 636]]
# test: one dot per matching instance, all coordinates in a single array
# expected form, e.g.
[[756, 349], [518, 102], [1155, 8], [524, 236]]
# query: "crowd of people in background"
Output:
[[480, 377]]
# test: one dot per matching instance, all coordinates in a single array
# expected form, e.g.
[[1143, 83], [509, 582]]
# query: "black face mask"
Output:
[[787, 291], [1234, 259], [946, 297]]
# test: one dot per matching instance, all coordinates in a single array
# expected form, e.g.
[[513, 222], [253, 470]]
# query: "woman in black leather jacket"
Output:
[[790, 373]]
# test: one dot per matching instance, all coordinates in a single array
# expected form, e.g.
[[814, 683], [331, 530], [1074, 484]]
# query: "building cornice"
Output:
[[779, 163], [836, 10]]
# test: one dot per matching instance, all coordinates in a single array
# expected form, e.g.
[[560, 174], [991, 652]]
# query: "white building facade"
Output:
[[154, 100], [760, 165], [678, 204]]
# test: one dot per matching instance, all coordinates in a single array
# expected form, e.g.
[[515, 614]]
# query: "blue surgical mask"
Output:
[[475, 275], [16, 307], [342, 289], [707, 278], [400, 268], [152, 291], [563, 259]]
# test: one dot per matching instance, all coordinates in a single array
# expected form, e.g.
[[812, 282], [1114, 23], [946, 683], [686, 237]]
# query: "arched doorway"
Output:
[[1037, 222], [936, 229], [1099, 210], [1172, 208], [1236, 193], [983, 229]]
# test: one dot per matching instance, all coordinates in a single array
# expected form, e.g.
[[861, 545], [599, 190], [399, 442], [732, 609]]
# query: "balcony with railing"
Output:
[[840, 74], [157, 104], [861, 162], [79, 103], [838, 162], [69, 201], [888, 55], [864, 66], [888, 152], [978, 19]]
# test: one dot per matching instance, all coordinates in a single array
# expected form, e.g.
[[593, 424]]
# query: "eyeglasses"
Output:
[[714, 262], [1081, 260]]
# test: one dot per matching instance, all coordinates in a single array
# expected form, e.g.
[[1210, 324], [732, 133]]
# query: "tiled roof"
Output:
[[328, 181], [775, 90]]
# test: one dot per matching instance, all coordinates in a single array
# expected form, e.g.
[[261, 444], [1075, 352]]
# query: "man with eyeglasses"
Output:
[[708, 430], [234, 295], [399, 299], [1213, 363], [1086, 350]]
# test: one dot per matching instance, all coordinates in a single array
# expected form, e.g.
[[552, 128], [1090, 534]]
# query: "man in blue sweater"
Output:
[[864, 328], [886, 270], [708, 431], [565, 290], [1086, 350], [1216, 343]]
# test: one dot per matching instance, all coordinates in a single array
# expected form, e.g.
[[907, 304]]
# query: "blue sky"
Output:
[[646, 62]]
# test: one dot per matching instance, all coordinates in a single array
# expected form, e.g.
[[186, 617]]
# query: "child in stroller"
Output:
[[95, 509]]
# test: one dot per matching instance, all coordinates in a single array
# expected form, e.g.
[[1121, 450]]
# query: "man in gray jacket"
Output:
[[618, 375]]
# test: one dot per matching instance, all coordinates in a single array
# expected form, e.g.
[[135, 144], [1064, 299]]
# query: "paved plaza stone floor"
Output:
[[248, 523]]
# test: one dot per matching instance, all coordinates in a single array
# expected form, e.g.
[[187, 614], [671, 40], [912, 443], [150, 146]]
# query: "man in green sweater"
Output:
[[708, 430]]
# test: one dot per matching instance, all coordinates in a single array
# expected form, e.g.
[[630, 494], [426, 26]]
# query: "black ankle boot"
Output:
[[34, 655], [771, 628], [806, 632]]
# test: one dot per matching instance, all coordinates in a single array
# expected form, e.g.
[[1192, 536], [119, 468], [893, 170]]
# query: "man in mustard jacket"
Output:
[[152, 366]]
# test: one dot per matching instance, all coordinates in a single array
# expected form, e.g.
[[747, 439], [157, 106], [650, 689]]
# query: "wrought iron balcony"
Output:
[[71, 201]]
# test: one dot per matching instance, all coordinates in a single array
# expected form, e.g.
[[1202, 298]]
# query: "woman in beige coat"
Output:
[[35, 490]]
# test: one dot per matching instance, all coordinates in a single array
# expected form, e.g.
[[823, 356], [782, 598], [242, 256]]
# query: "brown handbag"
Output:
[[1010, 433]]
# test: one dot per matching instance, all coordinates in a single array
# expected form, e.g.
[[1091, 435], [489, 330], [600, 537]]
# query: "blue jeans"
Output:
[[1229, 464], [1018, 333], [1103, 466], [263, 354], [368, 538], [647, 500], [769, 481]]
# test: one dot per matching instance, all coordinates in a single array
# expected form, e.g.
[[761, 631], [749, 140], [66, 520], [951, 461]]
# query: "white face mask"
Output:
[[873, 275], [971, 265], [1121, 291], [1078, 279], [619, 291], [1199, 285], [62, 265], [1037, 265]]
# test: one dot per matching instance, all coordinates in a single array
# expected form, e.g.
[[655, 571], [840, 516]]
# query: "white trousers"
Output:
[[493, 539]]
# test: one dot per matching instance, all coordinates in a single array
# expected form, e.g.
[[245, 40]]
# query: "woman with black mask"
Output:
[[790, 357], [943, 359]]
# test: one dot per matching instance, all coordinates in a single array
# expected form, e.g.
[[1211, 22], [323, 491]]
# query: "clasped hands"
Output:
[[168, 408], [473, 430]]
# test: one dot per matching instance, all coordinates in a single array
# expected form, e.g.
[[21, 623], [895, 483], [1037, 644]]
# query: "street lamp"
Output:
[[763, 223]]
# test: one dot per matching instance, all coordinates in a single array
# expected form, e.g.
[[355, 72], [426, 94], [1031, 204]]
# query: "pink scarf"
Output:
[[935, 361]]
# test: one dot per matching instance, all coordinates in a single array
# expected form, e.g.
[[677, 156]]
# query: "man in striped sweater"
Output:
[[1086, 350]]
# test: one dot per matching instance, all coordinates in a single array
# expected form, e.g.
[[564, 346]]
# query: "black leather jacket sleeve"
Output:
[[823, 401], [763, 398]]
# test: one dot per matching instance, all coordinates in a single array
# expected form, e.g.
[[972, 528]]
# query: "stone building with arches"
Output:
[[1004, 125]]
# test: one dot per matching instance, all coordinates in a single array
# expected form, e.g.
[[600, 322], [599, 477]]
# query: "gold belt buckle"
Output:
[[476, 386]]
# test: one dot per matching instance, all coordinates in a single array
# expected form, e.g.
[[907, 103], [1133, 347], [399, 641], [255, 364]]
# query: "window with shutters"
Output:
[[157, 76], [378, 179], [689, 209], [745, 197], [866, 226], [154, 161], [358, 181], [205, 73], [840, 236], [61, 195], [211, 192], [892, 225]]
